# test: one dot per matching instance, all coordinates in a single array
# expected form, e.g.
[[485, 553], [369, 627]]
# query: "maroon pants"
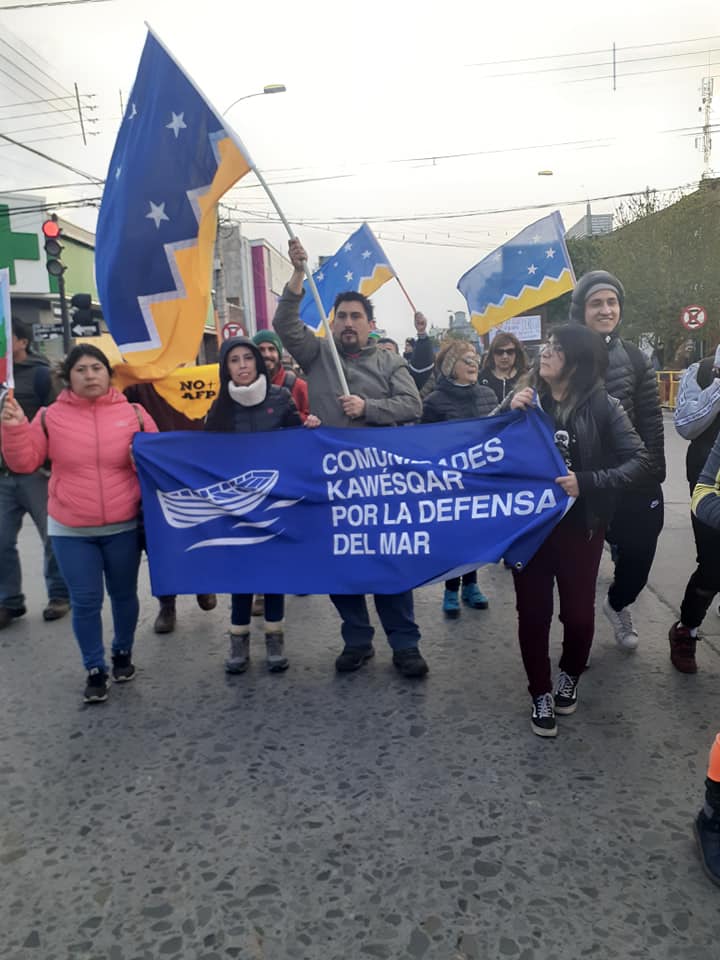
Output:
[[572, 560]]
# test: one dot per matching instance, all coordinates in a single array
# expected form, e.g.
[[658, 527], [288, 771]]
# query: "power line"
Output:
[[44, 156], [644, 73], [589, 53], [29, 103], [49, 3]]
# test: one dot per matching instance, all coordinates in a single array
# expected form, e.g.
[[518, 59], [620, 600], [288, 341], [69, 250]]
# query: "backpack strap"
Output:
[[290, 378], [43, 417]]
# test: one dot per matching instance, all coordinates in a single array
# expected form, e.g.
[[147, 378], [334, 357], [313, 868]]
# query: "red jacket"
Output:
[[93, 480], [299, 391]]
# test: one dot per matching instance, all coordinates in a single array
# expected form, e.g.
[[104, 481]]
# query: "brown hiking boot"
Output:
[[206, 601], [682, 649], [8, 614], [165, 620], [57, 607]]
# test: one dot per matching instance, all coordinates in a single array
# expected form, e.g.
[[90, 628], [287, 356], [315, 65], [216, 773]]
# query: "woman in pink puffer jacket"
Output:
[[93, 502]]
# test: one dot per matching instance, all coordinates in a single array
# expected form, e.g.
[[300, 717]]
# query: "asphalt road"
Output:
[[307, 816]]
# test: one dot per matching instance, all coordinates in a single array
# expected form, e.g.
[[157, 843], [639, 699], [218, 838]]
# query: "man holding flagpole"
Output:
[[382, 393]]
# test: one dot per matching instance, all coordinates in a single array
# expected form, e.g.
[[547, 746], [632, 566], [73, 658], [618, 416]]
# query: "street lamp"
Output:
[[269, 88]]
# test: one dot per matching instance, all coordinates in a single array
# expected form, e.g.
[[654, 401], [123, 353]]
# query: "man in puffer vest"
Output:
[[597, 301]]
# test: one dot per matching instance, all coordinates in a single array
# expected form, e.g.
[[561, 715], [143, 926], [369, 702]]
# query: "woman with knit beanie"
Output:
[[248, 403], [458, 396]]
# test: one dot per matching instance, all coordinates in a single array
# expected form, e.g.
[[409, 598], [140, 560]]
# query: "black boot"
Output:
[[165, 620], [707, 831]]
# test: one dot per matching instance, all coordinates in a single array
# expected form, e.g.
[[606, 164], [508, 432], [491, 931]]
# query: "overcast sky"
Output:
[[381, 98]]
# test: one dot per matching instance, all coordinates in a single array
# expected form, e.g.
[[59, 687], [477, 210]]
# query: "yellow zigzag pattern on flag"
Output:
[[368, 285], [529, 298]]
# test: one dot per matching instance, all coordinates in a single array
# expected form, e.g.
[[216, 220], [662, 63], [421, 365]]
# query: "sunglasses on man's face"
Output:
[[506, 351]]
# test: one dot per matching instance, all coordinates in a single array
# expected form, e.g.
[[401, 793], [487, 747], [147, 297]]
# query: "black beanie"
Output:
[[587, 285]]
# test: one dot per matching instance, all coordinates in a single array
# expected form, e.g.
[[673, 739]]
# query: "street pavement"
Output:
[[310, 816]]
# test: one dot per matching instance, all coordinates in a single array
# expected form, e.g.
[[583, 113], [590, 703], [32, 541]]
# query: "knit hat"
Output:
[[589, 284], [269, 336], [455, 351]]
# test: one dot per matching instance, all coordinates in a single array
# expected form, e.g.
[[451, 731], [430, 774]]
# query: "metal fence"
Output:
[[668, 381]]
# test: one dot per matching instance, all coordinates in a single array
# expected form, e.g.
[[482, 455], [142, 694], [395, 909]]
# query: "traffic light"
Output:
[[53, 248], [81, 304]]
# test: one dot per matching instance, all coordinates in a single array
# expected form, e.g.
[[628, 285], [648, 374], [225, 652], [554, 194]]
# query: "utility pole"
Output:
[[705, 141], [220, 298]]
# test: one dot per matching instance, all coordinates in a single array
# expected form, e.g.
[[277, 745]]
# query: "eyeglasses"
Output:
[[506, 351], [551, 347], [470, 361]]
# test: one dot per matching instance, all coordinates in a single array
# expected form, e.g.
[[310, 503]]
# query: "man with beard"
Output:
[[382, 394], [271, 349]]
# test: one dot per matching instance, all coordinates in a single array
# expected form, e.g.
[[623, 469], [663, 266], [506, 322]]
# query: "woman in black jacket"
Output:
[[458, 396], [248, 403], [505, 362], [603, 454]]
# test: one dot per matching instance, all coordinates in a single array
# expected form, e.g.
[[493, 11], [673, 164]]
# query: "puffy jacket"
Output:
[[697, 414], [380, 377], [276, 410], [93, 480], [501, 388], [450, 401]]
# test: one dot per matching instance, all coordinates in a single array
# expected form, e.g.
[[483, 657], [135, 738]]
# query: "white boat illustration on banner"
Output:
[[189, 508]]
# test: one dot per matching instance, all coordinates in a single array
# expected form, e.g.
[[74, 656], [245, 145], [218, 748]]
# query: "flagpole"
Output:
[[311, 284], [407, 295]]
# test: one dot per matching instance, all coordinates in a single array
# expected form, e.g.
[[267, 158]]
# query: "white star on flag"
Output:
[[366, 254], [157, 213], [348, 276], [532, 269], [347, 248], [118, 171], [335, 264], [320, 277], [537, 238], [176, 124], [550, 253], [134, 111]]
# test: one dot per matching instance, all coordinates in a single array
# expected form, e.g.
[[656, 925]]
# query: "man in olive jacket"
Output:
[[382, 394]]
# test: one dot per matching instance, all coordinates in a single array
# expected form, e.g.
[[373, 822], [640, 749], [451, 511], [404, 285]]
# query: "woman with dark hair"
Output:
[[93, 503], [505, 362], [458, 396], [603, 453], [247, 403]]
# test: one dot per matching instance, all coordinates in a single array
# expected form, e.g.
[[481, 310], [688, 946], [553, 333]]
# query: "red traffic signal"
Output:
[[51, 228]]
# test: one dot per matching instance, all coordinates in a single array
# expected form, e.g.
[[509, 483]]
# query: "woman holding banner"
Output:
[[603, 453], [458, 396], [247, 403], [93, 503]]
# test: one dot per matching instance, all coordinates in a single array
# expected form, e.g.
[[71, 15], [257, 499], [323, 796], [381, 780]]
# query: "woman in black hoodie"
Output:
[[458, 396], [603, 454], [248, 403]]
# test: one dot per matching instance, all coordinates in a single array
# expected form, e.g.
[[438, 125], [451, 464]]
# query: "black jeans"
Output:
[[633, 536], [705, 581], [467, 579]]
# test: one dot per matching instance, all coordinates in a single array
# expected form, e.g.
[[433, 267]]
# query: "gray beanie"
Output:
[[590, 283]]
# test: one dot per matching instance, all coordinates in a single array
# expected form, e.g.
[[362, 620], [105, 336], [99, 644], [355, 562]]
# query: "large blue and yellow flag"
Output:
[[360, 264], [173, 159], [532, 268]]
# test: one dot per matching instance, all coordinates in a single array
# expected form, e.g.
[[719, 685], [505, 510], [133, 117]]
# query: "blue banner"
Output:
[[346, 511]]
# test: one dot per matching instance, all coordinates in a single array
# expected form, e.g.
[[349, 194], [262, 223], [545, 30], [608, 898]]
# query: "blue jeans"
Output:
[[396, 613], [20, 494], [242, 608], [83, 561]]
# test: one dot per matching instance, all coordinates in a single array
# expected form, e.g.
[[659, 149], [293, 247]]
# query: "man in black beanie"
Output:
[[597, 302]]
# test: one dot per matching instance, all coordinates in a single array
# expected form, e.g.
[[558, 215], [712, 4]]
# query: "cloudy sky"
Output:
[[430, 120]]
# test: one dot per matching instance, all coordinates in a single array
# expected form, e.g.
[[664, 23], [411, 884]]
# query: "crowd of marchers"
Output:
[[67, 461]]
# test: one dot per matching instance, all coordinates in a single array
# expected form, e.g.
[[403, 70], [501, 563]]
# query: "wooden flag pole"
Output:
[[407, 295], [313, 288]]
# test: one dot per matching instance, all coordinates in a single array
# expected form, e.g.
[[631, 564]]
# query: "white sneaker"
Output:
[[625, 634]]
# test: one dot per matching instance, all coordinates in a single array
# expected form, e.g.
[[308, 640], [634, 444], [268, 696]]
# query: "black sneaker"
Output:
[[96, 690], [352, 658], [566, 694], [707, 834], [123, 668], [410, 662], [543, 721]]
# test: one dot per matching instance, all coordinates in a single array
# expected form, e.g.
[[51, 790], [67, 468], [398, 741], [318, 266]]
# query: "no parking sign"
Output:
[[693, 317]]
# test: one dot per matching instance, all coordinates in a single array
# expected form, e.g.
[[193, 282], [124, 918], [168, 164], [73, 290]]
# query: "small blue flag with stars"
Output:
[[173, 159], [532, 268], [360, 264]]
